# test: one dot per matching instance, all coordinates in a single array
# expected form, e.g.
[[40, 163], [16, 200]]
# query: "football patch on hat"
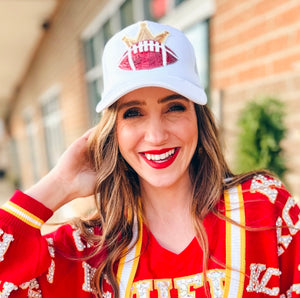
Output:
[[146, 51]]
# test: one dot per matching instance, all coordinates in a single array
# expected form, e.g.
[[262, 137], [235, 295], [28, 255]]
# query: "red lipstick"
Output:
[[160, 159]]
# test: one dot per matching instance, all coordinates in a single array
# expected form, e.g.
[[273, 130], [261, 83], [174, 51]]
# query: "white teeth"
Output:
[[159, 157]]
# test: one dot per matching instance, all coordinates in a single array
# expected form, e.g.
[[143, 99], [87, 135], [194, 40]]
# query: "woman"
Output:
[[171, 219]]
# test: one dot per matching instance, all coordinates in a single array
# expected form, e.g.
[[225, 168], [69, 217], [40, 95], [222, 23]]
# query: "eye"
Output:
[[177, 107], [131, 113]]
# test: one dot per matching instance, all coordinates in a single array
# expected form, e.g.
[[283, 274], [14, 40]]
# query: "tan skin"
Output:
[[71, 178], [166, 121], [156, 118]]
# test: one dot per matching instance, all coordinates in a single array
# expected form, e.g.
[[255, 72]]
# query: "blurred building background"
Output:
[[50, 74]]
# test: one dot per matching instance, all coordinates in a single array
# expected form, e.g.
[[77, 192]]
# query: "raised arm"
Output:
[[71, 178]]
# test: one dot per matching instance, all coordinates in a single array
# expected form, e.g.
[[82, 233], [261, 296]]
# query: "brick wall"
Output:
[[255, 51]]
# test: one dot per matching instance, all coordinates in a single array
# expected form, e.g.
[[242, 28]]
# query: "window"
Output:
[[52, 126], [32, 143], [123, 15]]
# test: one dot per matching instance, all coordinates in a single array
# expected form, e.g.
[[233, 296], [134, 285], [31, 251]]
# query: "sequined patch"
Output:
[[77, 239], [89, 272], [261, 286], [184, 284], [4, 244], [293, 227], [33, 288], [216, 280], [282, 240], [8, 287], [265, 186]]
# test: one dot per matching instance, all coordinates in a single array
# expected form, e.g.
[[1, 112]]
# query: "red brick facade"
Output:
[[255, 51]]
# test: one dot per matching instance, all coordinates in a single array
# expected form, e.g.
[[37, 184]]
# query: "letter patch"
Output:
[[8, 287], [260, 286], [89, 272], [4, 244], [265, 186]]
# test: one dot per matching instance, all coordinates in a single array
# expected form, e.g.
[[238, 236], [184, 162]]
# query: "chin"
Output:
[[159, 182]]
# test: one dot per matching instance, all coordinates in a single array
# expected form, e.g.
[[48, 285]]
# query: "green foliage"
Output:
[[261, 132]]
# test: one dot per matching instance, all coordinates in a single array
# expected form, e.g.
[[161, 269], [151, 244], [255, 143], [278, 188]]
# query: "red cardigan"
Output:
[[262, 260]]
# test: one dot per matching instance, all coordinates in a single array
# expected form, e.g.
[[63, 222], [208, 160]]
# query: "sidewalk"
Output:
[[6, 190]]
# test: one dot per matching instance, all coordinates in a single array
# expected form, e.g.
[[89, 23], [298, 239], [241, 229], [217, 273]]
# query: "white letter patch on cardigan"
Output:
[[89, 272], [261, 286], [8, 287], [265, 186], [293, 227], [4, 244], [282, 240]]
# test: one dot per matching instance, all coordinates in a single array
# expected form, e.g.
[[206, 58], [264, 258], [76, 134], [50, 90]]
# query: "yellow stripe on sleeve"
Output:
[[23, 214]]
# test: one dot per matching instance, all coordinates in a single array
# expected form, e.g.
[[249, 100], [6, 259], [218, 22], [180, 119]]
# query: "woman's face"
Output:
[[157, 135]]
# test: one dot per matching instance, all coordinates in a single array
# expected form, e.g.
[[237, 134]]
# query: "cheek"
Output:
[[126, 137], [189, 131]]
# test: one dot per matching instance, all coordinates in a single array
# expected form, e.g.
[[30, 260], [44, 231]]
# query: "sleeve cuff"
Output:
[[27, 210]]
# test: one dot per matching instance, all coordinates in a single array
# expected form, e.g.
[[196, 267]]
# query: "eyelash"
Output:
[[131, 113], [135, 112], [177, 108]]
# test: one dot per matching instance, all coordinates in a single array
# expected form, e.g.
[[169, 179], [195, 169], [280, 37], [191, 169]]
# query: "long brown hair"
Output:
[[117, 191]]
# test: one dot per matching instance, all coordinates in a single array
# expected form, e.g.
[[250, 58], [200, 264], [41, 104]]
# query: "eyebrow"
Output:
[[172, 97], [132, 103]]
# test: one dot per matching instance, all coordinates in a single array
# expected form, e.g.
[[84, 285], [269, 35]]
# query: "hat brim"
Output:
[[185, 88]]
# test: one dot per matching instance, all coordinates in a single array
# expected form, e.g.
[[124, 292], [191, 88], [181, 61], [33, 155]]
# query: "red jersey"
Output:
[[261, 260]]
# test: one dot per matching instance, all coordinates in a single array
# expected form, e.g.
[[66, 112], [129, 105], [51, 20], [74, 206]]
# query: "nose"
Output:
[[156, 132]]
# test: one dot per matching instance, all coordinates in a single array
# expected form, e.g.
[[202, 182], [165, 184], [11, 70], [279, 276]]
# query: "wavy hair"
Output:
[[117, 191]]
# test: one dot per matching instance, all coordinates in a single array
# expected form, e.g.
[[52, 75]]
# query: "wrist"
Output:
[[49, 191]]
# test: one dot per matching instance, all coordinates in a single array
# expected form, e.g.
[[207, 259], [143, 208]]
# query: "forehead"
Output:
[[147, 94]]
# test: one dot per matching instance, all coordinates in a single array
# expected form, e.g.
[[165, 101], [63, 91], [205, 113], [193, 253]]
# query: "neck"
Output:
[[168, 216], [164, 201]]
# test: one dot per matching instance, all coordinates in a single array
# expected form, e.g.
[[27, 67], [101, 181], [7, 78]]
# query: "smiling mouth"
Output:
[[160, 157]]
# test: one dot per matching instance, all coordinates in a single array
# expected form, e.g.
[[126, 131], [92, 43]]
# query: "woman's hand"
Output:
[[71, 178]]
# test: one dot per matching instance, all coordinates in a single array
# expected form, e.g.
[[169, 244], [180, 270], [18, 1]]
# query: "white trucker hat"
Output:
[[149, 54]]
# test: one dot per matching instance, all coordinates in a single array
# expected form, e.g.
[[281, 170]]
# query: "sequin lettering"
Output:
[[33, 288], [282, 240], [51, 270], [8, 287], [261, 286], [163, 287], [293, 227], [4, 244], [184, 285], [89, 272], [265, 186], [50, 275], [77, 239], [142, 288], [51, 247], [216, 281]]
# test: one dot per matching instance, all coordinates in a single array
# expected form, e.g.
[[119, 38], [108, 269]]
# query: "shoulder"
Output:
[[268, 196], [264, 188]]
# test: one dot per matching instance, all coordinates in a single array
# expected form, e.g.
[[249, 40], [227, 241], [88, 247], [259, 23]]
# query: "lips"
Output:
[[160, 159]]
